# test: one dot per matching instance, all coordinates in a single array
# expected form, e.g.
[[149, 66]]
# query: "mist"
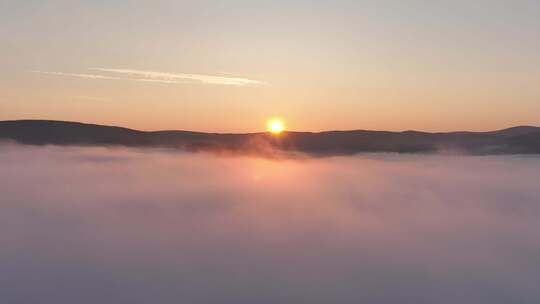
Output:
[[113, 225]]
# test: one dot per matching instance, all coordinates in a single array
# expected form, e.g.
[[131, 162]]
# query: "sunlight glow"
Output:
[[275, 126]]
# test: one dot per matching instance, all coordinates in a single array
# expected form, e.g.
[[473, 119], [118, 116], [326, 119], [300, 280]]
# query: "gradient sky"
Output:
[[229, 65]]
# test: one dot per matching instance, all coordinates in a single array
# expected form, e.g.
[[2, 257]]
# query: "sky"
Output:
[[227, 66]]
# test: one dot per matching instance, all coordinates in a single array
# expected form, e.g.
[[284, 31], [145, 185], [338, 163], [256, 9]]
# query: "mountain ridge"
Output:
[[513, 140]]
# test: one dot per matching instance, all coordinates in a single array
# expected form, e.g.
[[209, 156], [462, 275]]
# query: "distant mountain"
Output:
[[516, 140]]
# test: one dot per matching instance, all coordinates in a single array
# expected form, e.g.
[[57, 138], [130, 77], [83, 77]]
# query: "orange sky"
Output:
[[228, 67]]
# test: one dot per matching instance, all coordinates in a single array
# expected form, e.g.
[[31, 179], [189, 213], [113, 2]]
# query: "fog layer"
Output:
[[97, 225]]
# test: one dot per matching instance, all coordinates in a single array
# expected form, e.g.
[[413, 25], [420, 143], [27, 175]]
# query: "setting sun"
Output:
[[275, 126]]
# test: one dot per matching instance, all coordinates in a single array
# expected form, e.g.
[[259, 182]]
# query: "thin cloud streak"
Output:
[[104, 77], [158, 77], [209, 79]]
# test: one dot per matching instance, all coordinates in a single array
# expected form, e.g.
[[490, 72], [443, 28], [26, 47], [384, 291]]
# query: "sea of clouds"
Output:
[[103, 225]]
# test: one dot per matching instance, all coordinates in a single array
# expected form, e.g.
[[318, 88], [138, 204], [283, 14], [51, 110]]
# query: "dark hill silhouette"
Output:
[[516, 140]]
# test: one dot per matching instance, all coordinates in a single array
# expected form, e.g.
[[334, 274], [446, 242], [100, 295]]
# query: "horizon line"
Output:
[[259, 132]]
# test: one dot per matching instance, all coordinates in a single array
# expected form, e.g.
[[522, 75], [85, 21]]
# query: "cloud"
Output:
[[209, 79], [158, 77], [102, 225], [97, 76]]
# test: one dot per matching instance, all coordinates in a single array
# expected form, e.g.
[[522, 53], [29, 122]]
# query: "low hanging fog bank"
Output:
[[97, 225]]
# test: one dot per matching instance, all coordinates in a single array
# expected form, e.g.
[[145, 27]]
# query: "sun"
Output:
[[275, 126]]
